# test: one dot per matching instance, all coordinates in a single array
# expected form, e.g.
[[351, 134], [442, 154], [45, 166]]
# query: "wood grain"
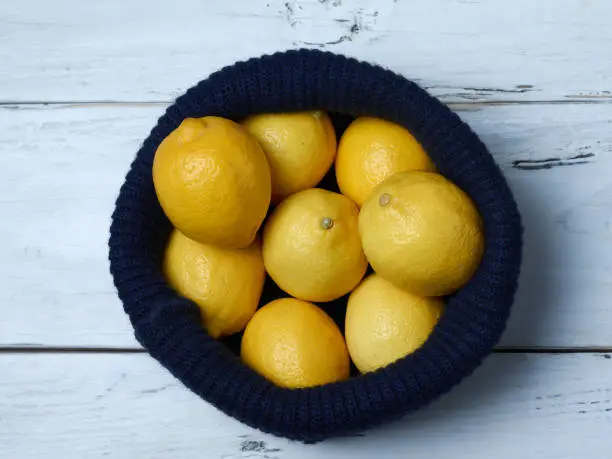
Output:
[[126, 406], [61, 168], [532, 78], [483, 50]]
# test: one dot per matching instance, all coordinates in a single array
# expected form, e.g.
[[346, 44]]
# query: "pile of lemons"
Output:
[[243, 200]]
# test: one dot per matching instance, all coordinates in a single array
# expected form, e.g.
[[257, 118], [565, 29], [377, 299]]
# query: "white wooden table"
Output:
[[82, 83]]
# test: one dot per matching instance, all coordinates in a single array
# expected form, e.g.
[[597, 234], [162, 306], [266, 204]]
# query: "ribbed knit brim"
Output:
[[170, 327]]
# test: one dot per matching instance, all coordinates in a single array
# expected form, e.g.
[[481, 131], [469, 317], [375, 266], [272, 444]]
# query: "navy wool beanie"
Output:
[[170, 327]]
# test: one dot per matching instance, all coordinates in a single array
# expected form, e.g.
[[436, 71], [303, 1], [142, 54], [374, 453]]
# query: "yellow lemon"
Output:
[[295, 344], [372, 150], [422, 233], [225, 283], [213, 181], [300, 148], [311, 245], [385, 323]]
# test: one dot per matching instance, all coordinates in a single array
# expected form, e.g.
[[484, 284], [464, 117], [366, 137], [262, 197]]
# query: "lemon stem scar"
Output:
[[384, 199], [327, 223]]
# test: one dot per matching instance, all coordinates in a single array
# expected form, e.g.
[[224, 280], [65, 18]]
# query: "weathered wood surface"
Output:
[[126, 406], [62, 166], [71, 50], [532, 78]]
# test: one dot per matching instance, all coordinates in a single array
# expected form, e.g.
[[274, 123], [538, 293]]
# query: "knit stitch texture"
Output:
[[170, 327]]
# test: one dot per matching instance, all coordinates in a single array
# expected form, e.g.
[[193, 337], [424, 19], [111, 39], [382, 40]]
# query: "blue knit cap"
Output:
[[170, 327]]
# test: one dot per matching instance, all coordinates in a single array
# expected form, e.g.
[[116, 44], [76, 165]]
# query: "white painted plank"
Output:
[[60, 171], [127, 406], [70, 50], [61, 167]]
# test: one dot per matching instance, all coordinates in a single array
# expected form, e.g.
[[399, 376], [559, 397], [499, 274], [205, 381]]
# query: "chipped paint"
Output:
[[549, 163]]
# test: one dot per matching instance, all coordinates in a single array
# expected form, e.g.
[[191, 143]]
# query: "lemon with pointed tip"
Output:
[[213, 182], [300, 148], [372, 150], [225, 283], [385, 323], [294, 344], [311, 245], [422, 233]]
